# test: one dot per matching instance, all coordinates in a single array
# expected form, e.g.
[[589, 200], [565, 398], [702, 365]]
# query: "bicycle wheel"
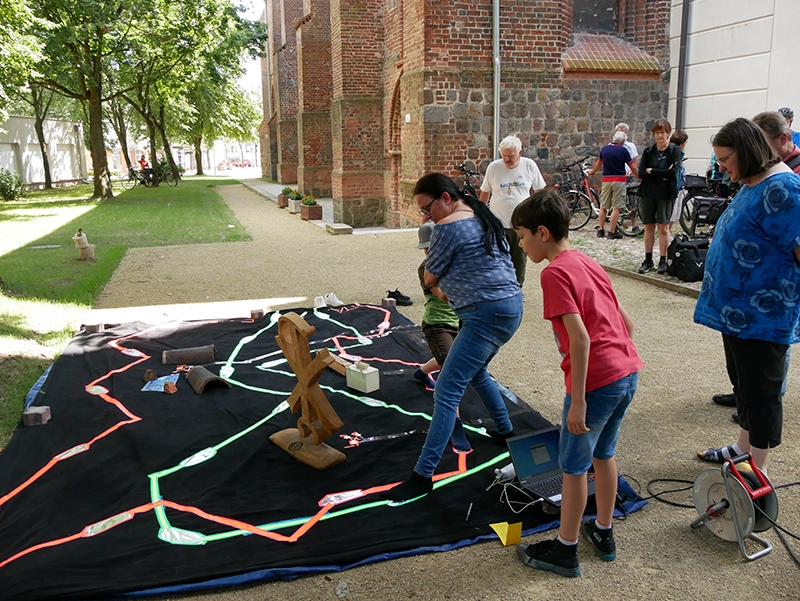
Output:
[[629, 223], [580, 209], [168, 179], [686, 213], [128, 181], [595, 203]]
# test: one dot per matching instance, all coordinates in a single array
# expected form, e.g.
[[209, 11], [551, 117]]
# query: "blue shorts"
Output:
[[605, 409]]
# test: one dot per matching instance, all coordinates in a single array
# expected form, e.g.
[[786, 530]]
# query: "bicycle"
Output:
[[165, 176], [629, 220], [472, 180], [134, 177], [584, 202], [703, 203]]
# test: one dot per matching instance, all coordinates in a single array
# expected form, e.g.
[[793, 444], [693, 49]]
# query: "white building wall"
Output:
[[741, 60], [20, 151]]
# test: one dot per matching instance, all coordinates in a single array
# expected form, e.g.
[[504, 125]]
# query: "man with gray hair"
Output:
[[623, 127], [788, 114], [509, 180], [614, 158], [779, 136]]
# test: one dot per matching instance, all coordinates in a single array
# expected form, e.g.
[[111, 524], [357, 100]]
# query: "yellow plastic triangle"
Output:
[[510, 534]]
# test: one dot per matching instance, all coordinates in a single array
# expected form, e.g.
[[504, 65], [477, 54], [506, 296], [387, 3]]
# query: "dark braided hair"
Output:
[[494, 234]]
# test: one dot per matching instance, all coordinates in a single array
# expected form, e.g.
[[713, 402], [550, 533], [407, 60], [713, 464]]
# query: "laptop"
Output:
[[535, 458]]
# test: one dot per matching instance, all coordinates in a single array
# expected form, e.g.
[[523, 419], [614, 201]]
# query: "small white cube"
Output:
[[363, 377]]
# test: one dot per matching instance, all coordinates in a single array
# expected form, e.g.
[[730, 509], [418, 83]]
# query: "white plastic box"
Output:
[[363, 377]]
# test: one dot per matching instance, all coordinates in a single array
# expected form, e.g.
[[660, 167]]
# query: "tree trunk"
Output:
[[102, 183], [121, 129], [162, 128], [40, 110], [198, 154]]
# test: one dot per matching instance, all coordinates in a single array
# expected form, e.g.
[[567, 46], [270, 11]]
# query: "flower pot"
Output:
[[294, 206], [310, 212], [283, 200]]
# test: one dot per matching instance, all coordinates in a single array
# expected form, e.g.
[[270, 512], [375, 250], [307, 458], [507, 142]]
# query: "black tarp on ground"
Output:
[[113, 451]]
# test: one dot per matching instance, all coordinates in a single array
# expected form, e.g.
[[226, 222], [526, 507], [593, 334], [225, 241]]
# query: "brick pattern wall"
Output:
[[315, 158], [409, 87]]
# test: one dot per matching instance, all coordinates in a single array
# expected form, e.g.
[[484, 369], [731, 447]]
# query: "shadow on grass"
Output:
[[17, 375], [11, 327]]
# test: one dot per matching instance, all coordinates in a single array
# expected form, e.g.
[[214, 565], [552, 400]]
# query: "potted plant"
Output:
[[294, 201], [283, 197], [309, 209]]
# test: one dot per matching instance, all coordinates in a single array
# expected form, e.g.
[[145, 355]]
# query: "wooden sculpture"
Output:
[[318, 420]]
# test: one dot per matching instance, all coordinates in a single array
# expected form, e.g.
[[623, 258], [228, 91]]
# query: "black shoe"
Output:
[[662, 266], [601, 233], [647, 265], [726, 400], [400, 298], [735, 417], [551, 555], [603, 540], [615, 235]]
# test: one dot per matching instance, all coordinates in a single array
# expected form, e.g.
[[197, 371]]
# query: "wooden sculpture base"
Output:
[[319, 456]]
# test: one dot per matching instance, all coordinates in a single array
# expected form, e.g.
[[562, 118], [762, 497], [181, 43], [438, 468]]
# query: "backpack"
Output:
[[686, 258]]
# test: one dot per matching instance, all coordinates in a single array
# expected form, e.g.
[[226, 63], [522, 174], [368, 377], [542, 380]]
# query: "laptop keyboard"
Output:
[[550, 487]]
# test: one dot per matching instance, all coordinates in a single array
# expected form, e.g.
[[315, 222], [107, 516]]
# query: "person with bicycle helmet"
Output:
[[509, 180]]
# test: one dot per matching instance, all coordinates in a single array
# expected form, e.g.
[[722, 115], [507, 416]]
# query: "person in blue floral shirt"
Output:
[[750, 289]]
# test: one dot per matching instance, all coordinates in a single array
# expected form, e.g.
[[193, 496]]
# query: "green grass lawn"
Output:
[[191, 213], [53, 280]]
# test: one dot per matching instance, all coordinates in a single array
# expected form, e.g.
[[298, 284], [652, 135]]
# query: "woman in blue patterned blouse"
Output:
[[469, 260], [750, 289]]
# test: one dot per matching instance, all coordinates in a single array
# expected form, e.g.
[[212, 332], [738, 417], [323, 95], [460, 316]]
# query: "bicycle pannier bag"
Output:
[[709, 208], [686, 258], [694, 181]]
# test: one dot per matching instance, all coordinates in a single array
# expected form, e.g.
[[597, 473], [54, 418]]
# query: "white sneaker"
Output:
[[332, 301], [319, 302]]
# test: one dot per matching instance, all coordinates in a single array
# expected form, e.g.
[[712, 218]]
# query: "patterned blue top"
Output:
[[750, 288], [467, 274]]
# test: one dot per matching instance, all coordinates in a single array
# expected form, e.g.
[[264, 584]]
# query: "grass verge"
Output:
[[46, 288]]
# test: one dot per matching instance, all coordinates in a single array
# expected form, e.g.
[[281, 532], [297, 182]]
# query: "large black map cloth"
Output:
[[126, 490]]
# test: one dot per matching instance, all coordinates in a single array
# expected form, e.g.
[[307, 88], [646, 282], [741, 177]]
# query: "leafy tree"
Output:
[[19, 51]]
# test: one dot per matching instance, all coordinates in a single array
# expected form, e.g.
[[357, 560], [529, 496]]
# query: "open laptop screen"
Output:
[[535, 453]]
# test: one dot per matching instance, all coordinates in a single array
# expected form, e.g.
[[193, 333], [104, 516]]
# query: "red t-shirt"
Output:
[[574, 283]]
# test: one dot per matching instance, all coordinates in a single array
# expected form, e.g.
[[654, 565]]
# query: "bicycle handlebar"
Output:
[[578, 162]]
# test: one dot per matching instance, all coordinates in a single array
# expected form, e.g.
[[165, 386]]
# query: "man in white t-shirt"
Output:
[[629, 146], [509, 180]]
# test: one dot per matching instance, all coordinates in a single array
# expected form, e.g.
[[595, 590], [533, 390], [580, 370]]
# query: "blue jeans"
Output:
[[605, 409], [485, 328]]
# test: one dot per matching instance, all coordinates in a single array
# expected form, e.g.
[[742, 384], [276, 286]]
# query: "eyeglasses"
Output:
[[426, 210], [723, 160]]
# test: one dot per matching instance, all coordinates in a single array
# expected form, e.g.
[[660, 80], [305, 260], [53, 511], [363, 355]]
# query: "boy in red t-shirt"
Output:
[[600, 364]]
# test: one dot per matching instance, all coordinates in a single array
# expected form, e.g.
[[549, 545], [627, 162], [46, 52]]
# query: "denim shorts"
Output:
[[605, 409]]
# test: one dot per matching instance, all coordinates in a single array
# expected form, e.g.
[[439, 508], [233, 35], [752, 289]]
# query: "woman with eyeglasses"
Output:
[[751, 287], [469, 260]]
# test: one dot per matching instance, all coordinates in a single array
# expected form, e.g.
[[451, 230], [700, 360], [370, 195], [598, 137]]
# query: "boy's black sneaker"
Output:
[[603, 540], [400, 298], [601, 233], [615, 235], [551, 555], [647, 265]]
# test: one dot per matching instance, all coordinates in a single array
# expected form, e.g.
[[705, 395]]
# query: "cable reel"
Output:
[[735, 501]]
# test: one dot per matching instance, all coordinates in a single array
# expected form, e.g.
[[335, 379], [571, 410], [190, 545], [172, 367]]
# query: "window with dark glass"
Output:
[[595, 16]]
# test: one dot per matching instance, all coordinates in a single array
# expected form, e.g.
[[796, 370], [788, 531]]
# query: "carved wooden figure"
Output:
[[318, 420]]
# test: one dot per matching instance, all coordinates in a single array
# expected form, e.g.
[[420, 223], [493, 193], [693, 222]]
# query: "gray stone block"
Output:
[[36, 416]]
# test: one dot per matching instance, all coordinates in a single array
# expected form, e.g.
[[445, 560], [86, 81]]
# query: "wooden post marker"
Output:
[[318, 420]]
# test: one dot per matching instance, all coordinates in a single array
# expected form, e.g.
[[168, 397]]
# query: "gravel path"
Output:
[[659, 556]]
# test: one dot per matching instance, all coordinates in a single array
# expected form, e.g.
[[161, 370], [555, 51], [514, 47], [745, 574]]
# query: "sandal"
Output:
[[717, 455]]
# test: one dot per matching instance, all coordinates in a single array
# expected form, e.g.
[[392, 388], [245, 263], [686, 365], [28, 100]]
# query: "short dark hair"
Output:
[[753, 151], [679, 137], [546, 208], [661, 125]]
